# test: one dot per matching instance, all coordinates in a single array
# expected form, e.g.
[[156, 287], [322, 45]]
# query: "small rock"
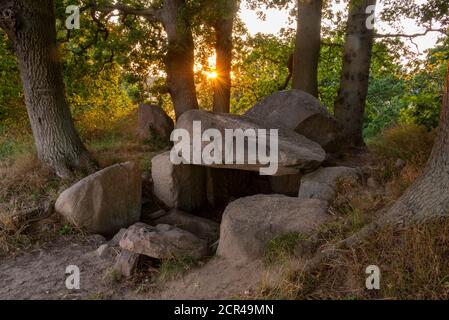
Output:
[[96, 239], [400, 164], [126, 263], [115, 241], [322, 183], [372, 183], [103, 251], [202, 228], [154, 120], [163, 242]]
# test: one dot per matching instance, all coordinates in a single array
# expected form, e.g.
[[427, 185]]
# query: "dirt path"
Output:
[[218, 279], [40, 274]]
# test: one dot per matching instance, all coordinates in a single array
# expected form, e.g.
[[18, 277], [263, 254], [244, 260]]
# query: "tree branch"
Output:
[[148, 13], [410, 36], [331, 44]]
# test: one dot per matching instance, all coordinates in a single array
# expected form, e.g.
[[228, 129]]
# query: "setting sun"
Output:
[[212, 75]]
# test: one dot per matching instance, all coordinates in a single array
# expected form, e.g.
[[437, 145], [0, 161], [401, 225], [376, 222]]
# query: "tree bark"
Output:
[[350, 104], [308, 44], [223, 47], [31, 27], [179, 60], [290, 72]]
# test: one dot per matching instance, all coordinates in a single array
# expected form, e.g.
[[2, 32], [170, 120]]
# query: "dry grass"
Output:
[[122, 144], [282, 248], [25, 186], [414, 262], [410, 143], [24, 183]]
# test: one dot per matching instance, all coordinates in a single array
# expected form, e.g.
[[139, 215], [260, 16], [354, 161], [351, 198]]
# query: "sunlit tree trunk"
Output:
[[223, 31], [30, 25], [350, 104], [308, 43]]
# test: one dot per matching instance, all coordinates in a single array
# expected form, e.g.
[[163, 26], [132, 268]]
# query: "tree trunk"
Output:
[[428, 197], [223, 47], [290, 72], [350, 104], [179, 60], [31, 27], [426, 200], [308, 44]]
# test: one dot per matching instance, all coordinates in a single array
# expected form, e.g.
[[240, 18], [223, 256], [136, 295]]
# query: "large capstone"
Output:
[[295, 152]]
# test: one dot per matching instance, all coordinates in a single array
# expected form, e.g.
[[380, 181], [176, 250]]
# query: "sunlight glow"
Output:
[[212, 75]]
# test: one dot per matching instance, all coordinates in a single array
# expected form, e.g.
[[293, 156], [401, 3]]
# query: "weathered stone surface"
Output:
[[295, 151], [301, 112], [163, 242], [154, 121], [126, 263], [202, 228], [286, 185], [178, 186], [115, 241], [322, 183], [111, 248], [250, 223], [103, 250], [105, 201]]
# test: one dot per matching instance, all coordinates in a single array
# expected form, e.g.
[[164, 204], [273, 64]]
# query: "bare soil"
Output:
[[40, 274]]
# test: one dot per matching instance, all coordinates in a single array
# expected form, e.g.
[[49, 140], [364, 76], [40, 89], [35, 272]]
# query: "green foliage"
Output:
[[329, 70], [12, 109], [384, 104], [66, 230], [282, 247], [172, 268], [96, 90], [115, 62], [425, 89], [262, 71], [97, 101], [400, 96]]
